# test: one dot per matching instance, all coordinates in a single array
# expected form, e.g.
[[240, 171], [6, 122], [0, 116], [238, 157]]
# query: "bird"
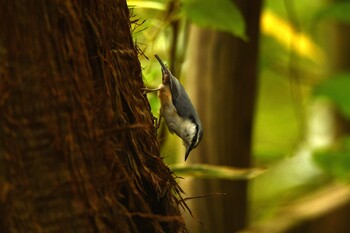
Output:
[[177, 110]]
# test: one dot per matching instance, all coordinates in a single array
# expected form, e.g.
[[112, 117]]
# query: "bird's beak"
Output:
[[161, 62], [165, 71], [188, 150]]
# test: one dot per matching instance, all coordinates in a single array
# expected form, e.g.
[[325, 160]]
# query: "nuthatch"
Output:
[[177, 110]]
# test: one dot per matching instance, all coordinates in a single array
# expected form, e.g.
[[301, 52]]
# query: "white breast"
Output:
[[185, 129]]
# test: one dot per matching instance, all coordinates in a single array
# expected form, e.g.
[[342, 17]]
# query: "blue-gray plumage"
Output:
[[178, 111]]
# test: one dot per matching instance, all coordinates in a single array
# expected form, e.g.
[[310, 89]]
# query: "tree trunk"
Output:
[[78, 150], [340, 62], [223, 69]]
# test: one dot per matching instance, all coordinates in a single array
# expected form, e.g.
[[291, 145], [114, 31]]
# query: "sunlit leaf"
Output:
[[146, 4], [337, 89], [337, 11], [289, 37], [336, 162], [215, 172], [219, 14]]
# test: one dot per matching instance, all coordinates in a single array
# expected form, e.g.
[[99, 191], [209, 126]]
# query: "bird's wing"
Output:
[[175, 87]]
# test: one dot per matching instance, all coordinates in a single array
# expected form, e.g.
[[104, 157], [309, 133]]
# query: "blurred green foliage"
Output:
[[336, 160], [336, 89], [337, 11], [220, 14]]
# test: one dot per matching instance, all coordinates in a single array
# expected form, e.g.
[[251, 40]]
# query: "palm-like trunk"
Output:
[[78, 150]]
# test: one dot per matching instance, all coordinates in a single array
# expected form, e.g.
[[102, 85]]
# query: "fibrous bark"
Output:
[[78, 150]]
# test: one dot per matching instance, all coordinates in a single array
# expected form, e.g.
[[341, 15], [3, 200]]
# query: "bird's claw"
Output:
[[148, 90]]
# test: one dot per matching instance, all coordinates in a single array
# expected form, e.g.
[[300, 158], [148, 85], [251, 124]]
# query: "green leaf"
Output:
[[215, 172], [146, 4], [337, 89], [337, 11], [217, 14], [336, 161]]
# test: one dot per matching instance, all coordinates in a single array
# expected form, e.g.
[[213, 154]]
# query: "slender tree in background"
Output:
[[78, 150], [223, 68], [340, 62]]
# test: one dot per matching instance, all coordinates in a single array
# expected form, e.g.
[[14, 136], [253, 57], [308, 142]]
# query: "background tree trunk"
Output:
[[340, 62], [224, 71], [78, 150]]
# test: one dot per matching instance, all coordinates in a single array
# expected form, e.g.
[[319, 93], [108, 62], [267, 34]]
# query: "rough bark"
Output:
[[78, 150], [223, 68]]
